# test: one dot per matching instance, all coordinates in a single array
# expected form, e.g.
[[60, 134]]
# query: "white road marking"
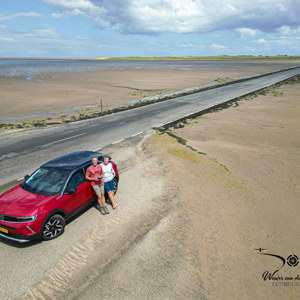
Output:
[[118, 141], [68, 138], [20, 179], [137, 133], [9, 155], [96, 150]]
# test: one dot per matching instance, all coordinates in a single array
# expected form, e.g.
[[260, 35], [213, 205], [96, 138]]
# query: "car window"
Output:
[[77, 179], [46, 181]]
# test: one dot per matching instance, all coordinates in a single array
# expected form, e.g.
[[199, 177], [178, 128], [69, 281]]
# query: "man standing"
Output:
[[94, 174]]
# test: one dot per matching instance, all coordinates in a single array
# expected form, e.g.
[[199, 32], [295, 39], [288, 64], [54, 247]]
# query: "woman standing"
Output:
[[108, 177]]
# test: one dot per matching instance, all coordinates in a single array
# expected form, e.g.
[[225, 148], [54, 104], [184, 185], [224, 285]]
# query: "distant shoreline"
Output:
[[165, 58]]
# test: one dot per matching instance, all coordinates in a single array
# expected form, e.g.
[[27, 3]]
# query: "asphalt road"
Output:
[[22, 152]]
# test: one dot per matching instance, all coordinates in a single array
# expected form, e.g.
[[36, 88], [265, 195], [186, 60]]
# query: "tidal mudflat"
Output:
[[51, 92]]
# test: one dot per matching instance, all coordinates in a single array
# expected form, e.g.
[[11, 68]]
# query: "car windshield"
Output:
[[46, 181]]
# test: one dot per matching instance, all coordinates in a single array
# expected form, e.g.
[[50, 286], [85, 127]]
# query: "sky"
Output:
[[110, 28]]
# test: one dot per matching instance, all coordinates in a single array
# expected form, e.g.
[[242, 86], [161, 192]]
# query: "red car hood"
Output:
[[20, 203]]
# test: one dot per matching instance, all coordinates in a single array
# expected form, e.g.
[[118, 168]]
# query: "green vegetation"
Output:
[[184, 154], [146, 93], [219, 57], [224, 80]]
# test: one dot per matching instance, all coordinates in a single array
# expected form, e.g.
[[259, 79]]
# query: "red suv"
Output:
[[39, 207]]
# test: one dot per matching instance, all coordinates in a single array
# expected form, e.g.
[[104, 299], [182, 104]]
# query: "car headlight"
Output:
[[18, 219]]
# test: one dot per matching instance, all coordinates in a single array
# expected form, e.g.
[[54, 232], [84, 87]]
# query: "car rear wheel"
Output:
[[115, 185], [54, 227]]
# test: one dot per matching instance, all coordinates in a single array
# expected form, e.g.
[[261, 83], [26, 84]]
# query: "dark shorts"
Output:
[[109, 186]]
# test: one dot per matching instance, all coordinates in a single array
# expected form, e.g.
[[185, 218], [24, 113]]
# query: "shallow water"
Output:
[[48, 113], [31, 68]]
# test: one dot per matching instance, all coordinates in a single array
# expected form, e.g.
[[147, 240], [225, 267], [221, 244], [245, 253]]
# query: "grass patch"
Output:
[[145, 93], [224, 80], [184, 154]]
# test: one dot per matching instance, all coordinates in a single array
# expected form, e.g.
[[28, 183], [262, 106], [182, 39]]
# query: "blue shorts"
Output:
[[109, 186]]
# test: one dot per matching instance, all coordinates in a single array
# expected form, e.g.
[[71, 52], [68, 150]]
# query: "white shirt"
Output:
[[108, 172]]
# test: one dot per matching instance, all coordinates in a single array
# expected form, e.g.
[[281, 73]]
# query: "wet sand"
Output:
[[55, 92]]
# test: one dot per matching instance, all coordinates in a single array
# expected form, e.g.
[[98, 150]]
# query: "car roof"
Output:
[[73, 160]]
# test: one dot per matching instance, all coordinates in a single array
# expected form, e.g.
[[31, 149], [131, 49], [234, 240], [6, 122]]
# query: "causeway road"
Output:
[[22, 151]]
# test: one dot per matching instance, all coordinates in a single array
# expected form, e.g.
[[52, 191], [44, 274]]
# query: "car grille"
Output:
[[13, 219]]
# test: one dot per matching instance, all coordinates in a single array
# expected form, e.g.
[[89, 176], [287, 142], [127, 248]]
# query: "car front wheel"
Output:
[[54, 227]]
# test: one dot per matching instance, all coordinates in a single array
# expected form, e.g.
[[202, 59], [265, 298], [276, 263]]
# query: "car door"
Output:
[[84, 194]]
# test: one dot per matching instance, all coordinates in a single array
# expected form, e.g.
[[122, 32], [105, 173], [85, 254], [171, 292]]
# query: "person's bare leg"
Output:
[[111, 198], [103, 204], [100, 200]]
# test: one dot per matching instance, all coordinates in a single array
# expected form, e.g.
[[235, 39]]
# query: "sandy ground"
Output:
[[242, 195], [56, 92], [190, 228]]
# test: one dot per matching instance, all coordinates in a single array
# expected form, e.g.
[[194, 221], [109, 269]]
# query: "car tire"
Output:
[[116, 182], [53, 227]]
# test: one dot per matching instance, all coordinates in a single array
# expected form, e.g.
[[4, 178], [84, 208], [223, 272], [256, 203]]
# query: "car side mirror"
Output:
[[70, 190], [26, 177]]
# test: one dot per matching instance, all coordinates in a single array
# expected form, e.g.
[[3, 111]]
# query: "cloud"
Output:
[[280, 44], [7, 17], [44, 42], [243, 31], [218, 47], [251, 49], [57, 16], [76, 7], [287, 30], [260, 41], [7, 39], [4, 17], [189, 16], [43, 32]]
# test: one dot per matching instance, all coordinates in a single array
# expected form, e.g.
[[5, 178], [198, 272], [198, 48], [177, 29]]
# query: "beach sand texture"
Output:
[[242, 194], [57, 91]]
